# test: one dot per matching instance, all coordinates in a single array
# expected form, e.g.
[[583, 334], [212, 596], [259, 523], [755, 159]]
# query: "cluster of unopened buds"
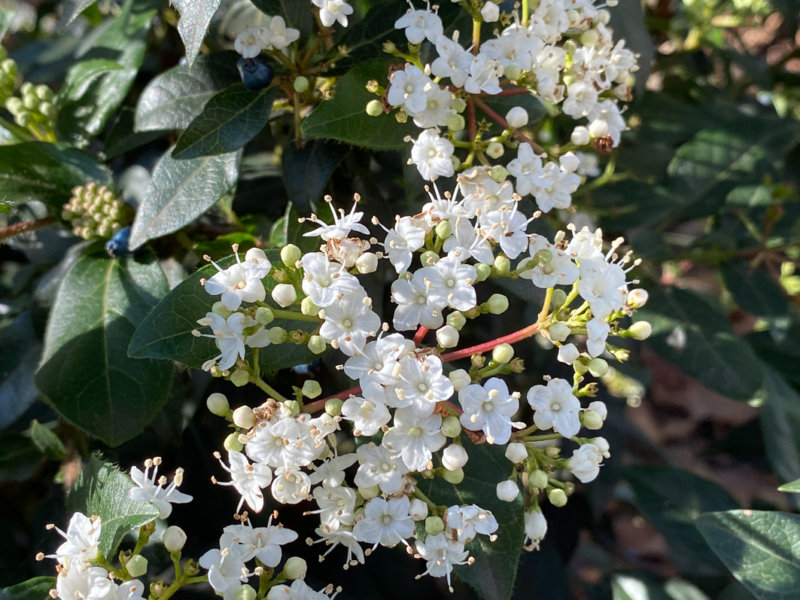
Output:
[[94, 211]]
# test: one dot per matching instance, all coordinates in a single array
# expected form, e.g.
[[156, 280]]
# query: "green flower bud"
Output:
[[591, 420], [460, 379], [311, 388], [458, 104], [451, 427], [232, 443], [434, 525], [497, 304], [444, 229], [26, 89], [290, 254], [293, 406], [502, 353], [9, 68], [23, 119], [308, 308], [218, 308], [455, 122], [429, 258], [512, 72], [495, 150], [218, 404], [369, 492], [543, 257], [559, 332], [14, 105], [245, 592], [174, 538], [538, 479], [244, 417], [589, 37], [375, 108], [558, 298], [483, 272], [498, 173], [454, 477], [264, 315], [641, 330], [552, 451], [317, 344], [621, 354], [502, 264], [557, 497], [277, 335], [295, 568], [30, 102], [581, 366], [136, 565], [598, 367], [240, 377], [301, 84], [333, 406], [456, 320]]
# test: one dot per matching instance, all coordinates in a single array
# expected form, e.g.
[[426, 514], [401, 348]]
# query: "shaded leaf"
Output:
[[180, 191], [32, 589], [753, 289], [86, 373], [761, 549], [193, 23], [793, 487], [364, 40], [297, 14], [19, 357], [71, 9], [227, 122], [646, 587], [47, 442], [101, 489], [306, 171], [19, 458], [780, 423]]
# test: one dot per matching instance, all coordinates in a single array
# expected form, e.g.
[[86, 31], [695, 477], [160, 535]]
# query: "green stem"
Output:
[[268, 389], [431, 506], [291, 315]]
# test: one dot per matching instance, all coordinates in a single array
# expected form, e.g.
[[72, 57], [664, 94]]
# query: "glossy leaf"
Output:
[[306, 170], [344, 118], [86, 373], [495, 567], [364, 40], [760, 548], [174, 98], [19, 357], [101, 489], [228, 121], [296, 14], [32, 589], [671, 500], [71, 9], [633, 587], [780, 422], [793, 487], [712, 353], [45, 172], [753, 289], [195, 16], [180, 191], [167, 331]]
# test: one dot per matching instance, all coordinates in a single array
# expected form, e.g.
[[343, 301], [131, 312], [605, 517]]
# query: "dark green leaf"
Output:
[[167, 331], [229, 120], [47, 442], [671, 500], [180, 191], [121, 136], [174, 98], [793, 487], [81, 76], [344, 118], [502, 104], [761, 549], [33, 589], [711, 352], [628, 23], [19, 357], [193, 23], [750, 195], [297, 14], [754, 290], [102, 490], [289, 230], [71, 9], [495, 567], [306, 170], [45, 172], [19, 458], [646, 587], [780, 422], [86, 373], [364, 40]]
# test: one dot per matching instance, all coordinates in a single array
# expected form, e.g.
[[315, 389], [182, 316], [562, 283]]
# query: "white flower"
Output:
[[263, 543], [470, 520], [603, 286], [555, 407], [507, 228], [286, 442], [331, 471], [408, 88], [228, 334], [249, 41], [586, 244], [368, 416], [336, 506], [489, 408], [451, 283], [414, 438], [581, 99], [279, 36], [90, 583], [226, 570], [248, 479], [440, 555], [585, 462], [597, 331], [290, 485], [342, 225], [422, 385], [82, 537], [378, 360], [324, 281], [150, 489], [241, 281], [415, 305], [420, 24], [377, 466], [299, 590], [437, 108], [401, 242], [558, 269], [432, 155], [526, 168], [385, 522], [484, 75], [331, 11], [453, 61], [535, 528], [349, 321], [345, 537]]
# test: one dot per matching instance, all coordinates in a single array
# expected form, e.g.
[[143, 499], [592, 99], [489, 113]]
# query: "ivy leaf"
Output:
[[46, 172], [32, 589], [195, 15], [760, 548], [228, 121], [495, 567], [101, 489], [167, 331], [180, 191], [86, 373], [306, 170], [344, 118], [174, 98]]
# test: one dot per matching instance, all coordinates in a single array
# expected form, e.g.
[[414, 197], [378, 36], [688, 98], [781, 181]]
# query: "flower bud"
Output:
[[455, 477], [637, 298], [277, 335], [284, 294], [244, 592], [428, 258], [374, 108], [333, 406], [591, 420], [311, 388], [434, 525], [589, 37], [497, 304], [295, 568], [455, 122], [503, 353], [240, 377], [569, 162], [641, 330], [598, 128], [482, 272], [218, 404], [451, 427], [456, 320], [454, 457], [516, 452], [136, 565], [369, 492], [559, 332], [232, 443], [568, 354], [174, 538], [290, 254], [580, 136], [558, 298], [495, 150], [447, 336], [502, 265], [517, 117], [557, 497], [244, 417], [419, 510], [317, 344], [443, 229], [599, 407], [490, 12], [308, 308], [507, 490], [264, 315], [367, 263], [513, 72], [598, 367], [301, 84], [538, 480], [460, 379]]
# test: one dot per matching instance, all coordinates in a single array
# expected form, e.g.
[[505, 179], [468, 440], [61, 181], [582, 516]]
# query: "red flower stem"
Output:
[[421, 333], [511, 338], [313, 407], [504, 124], [17, 228], [515, 91], [473, 128]]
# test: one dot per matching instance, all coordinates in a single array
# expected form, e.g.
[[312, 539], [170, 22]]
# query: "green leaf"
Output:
[[32, 589], [180, 191], [121, 136], [750, 195], [101, 489], [780, 422], [167, 331], [86, 373], [793, 487], [19, 458], [495, 567], [47, 442], [6, 15], [344, 118], [195, 15], [760, 548], [70, 11], [81, 76], [754, 290], [122, 40], [671, 500], [364, 40], [297, 14], [712, 353], [646, 587], [228, 121], [306, 170], [174, 98], [19, 357], [46, 172], [628, 23]]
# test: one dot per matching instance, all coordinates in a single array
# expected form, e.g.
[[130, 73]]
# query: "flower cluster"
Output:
[[95, 212]]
